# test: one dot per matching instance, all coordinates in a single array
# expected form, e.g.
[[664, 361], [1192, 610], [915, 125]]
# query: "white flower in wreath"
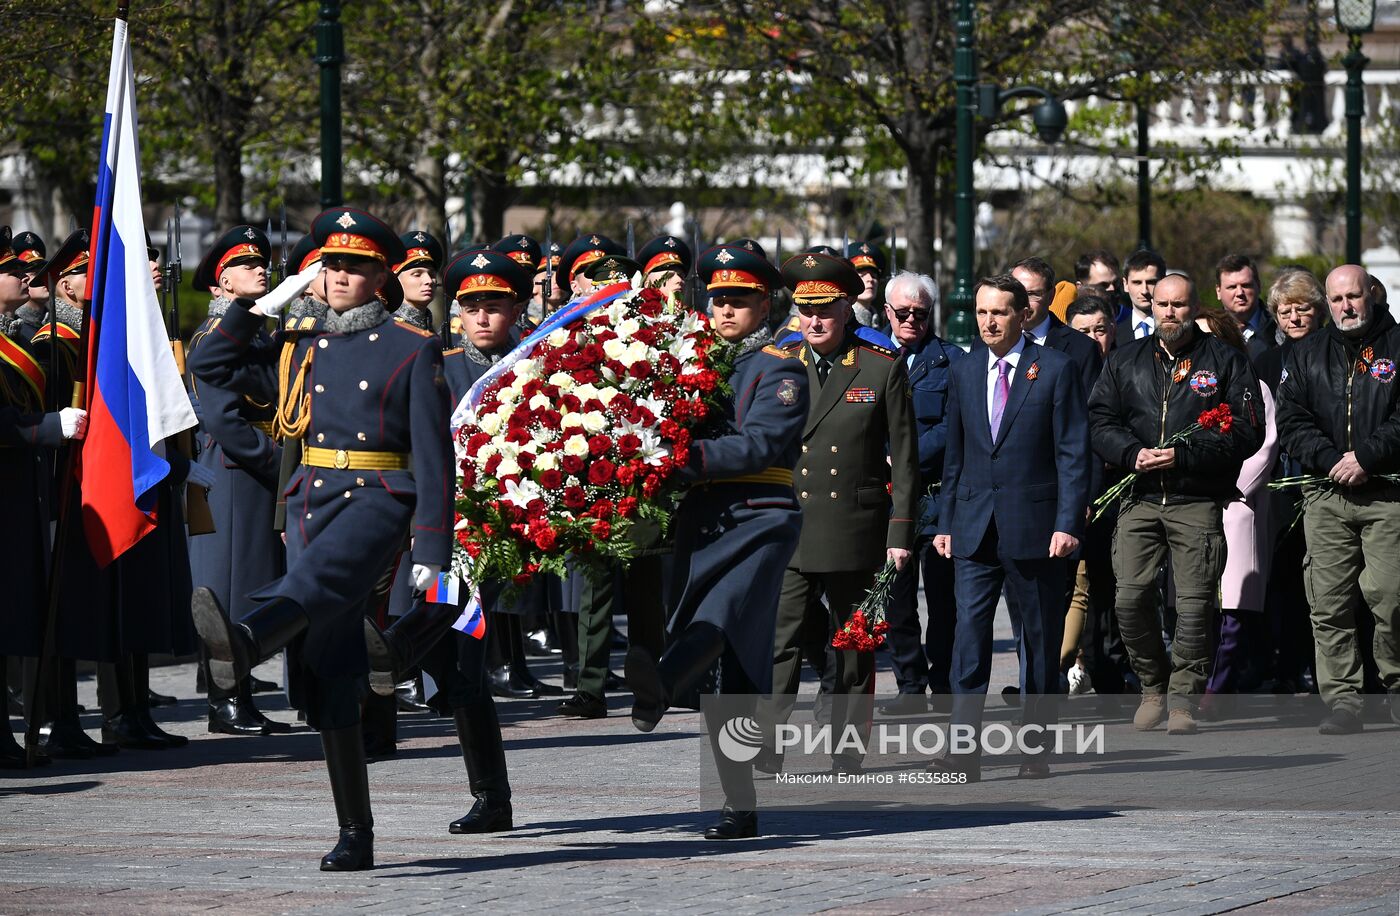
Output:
[[657, 407], [638, 352], [594, 422], [540, 402], [522, 492], [527, 369], [607, 395], [558, 337], [613, 349], [652, 450], [507, 468], [683, 349], [562, 380], [571, 421], [617, 310], [547, 462], [627, 328], [490, 424], [585, 392], [577, 446], [485, 452]]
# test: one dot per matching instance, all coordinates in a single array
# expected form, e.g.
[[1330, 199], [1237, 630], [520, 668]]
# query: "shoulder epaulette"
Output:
[[876, 348], [414, 328], [780, 352]]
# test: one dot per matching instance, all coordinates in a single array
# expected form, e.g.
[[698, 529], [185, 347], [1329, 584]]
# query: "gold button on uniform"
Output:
[[804, 472], [833, 449], [308, 515], [364, 385], [318, 483], [359, 481], [804, 449], [320, 388], [833, 494], [347, 494], [320, 437], [360, 436], [804, 494], [374, 336], [322, 343], [833, 472]]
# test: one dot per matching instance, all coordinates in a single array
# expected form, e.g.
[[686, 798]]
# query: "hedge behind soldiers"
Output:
[[857, 482], [1151, 390], [1337, 418]]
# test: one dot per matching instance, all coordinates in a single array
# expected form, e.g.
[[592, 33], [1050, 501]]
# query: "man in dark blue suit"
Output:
[[1010, 517], [1038, 277]]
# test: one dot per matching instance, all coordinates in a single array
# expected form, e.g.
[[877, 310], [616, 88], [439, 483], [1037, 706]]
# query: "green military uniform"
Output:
[[857, 485]]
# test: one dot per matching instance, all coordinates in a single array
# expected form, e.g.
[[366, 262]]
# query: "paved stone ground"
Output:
[[609, 820]]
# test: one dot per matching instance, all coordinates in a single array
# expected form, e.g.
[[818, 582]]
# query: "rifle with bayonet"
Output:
[[282, 260], [198, 518], [694, 286]]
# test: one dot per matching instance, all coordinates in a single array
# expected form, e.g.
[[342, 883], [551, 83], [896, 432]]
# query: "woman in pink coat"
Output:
[[1248, 547]]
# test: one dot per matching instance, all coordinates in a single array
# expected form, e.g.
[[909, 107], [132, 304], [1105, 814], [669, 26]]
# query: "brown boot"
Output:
[[1150, 712], [1181, 722]]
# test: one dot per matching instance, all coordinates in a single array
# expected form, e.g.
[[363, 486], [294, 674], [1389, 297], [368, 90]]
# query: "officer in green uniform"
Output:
[[857, 483]]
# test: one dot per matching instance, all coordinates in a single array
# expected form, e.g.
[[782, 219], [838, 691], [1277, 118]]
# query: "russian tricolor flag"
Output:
[[135, 397], [472, 620]]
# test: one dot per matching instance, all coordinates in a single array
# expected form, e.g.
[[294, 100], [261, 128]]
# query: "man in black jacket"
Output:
[[1150, 393], [1337, 418]]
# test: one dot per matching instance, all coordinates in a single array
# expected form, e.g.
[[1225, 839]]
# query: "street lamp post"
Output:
[[1355, 17], [972, 101], [1144, 181], [330, 53]]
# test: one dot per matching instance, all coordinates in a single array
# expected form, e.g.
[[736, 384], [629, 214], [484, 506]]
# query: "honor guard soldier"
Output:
[[492, 287], [581, 252], [418, 275], [526, 252], [541, 305], [857, 482], [869, 261], [14, 287], [612, 269], [237, 445], [665, 264], [369, 396], [30, 249], [735, 530]]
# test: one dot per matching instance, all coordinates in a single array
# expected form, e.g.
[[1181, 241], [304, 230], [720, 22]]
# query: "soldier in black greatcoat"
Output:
[[370, 398]]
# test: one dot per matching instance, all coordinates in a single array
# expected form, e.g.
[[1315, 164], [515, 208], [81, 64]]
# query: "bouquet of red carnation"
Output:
[[571, 441], [1217, 418], [865, 631]]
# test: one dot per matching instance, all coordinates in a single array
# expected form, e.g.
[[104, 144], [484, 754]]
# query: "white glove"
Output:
[[73, 422], [271, 304], [425, 576], [200, 476]]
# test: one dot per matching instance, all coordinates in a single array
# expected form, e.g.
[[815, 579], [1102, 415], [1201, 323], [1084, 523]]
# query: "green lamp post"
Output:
[[1356, 18], [330, 53], [985, 101]]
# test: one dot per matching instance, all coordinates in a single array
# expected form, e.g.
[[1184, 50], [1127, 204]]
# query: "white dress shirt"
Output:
[[1139, 332], [1041, 331], [1012, 357]]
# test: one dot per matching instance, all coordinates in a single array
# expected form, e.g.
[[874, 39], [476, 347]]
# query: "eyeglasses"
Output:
[[903, 315]]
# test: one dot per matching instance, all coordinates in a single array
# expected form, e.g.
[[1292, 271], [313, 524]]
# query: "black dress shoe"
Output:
[[354, 852], [258, 685], [408, 698], [376, 749], [126, 731], [1340, 722], [13, 758], [1011, 695], [486, 816], [539, 687], [584, 706], [959, 765], [734, 825], [230, 717], [70, 742], [502, 686], [155, 731], [1034, 769], [159, 699], [613, 682], [905, 704]]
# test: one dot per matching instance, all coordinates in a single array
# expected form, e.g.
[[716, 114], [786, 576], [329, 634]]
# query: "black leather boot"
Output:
[[235, 648], [653, 683], [734, 825], [140, 697], [505, 685], [393, 652], [235, 713], [63, 735], [521, 678], [345, 763], [479, 734]]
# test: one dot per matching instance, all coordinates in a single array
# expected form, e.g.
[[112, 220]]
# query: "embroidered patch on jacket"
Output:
[[787, 392], [861, 396], [1383, 370], [1205, 383]]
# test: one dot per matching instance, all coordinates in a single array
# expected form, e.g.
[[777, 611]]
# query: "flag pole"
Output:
[[63, 529]]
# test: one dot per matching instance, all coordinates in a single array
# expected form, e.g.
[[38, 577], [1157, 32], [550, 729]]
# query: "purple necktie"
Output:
[[999, 395]]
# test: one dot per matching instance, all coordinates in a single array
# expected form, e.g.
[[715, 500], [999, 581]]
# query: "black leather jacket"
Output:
[[1144, 396], [1338, 395]]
